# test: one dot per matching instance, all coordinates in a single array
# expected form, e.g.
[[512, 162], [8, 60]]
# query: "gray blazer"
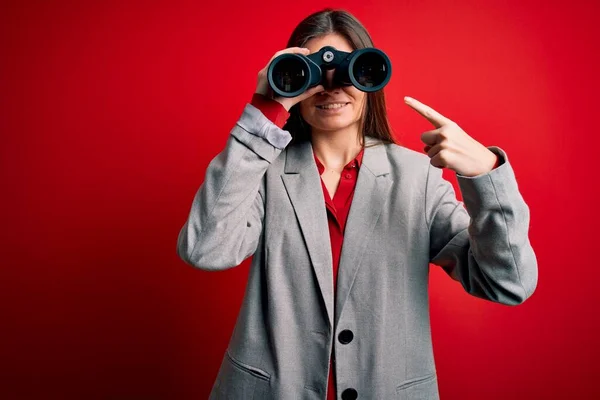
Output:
[[264, 198]]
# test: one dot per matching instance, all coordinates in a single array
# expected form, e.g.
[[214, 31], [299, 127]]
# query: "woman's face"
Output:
[[347, 101]]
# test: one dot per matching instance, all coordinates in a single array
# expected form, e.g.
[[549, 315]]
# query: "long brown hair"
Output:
[[374, 117]]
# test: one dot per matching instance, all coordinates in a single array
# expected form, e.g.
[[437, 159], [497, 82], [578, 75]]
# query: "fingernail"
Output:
[[406, 98]]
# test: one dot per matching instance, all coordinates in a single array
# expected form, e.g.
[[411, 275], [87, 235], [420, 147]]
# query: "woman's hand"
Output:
[[449, 146], [287, 102]]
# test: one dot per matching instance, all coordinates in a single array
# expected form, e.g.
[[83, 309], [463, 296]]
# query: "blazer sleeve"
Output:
[[484, 246], [226, 217]]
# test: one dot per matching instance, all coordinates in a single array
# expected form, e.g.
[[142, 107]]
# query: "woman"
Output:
[[299, 177]]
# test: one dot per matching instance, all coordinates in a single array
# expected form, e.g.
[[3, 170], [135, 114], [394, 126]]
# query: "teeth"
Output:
[[330, 106]]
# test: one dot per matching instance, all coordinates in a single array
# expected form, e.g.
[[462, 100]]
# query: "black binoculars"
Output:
[[368, 69]]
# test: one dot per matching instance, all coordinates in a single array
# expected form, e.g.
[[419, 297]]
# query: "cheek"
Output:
[[305, 110], [358, 96]]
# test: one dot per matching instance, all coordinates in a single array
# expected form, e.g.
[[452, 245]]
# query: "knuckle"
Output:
[[452, 126], [443, 155]]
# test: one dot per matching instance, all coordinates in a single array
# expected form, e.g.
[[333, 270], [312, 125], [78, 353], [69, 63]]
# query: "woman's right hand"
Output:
[[263, 87]]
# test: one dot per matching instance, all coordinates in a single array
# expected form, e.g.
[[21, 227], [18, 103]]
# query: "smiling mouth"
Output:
[[332, 106]]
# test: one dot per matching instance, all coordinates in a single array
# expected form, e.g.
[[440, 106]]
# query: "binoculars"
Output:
[[368, 69]]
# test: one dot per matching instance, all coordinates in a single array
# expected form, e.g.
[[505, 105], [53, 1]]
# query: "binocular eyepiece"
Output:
[[368, 69]]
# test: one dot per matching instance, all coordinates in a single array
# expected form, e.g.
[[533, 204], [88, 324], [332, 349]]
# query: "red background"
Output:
[[110, 113]]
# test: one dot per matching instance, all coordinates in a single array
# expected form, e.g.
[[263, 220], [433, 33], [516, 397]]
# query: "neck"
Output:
[[335, 149]]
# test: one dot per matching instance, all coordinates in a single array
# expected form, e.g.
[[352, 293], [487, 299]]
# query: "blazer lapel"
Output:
[[370, 196], [303, 184]]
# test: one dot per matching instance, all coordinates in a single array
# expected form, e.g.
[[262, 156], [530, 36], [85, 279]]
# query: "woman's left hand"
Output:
[[451, 147]]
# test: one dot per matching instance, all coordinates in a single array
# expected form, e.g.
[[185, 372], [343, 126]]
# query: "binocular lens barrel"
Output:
[[290, 74], [368, 69]]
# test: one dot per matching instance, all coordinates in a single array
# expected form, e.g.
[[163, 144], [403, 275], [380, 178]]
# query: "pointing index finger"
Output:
[[432, 116]]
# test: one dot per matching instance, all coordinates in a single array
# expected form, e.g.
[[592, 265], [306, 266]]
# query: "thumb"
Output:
[[288, 103], [312, 91]]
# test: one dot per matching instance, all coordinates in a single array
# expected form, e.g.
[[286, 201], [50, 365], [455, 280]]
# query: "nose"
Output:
[[328, 83]]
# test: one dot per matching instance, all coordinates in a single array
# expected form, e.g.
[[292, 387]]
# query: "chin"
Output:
[[330, 124], [330, 127]]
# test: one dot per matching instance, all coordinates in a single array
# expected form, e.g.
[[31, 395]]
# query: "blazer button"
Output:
[[349, 394], [345, 336]]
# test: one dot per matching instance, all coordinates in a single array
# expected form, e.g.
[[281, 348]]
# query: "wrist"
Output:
[[283, 104], [272, 109]]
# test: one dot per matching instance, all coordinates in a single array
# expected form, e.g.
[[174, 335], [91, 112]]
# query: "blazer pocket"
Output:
[[256, 372], [421, 388]]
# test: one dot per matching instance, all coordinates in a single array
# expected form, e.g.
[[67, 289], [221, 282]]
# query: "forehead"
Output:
[[333, 39]]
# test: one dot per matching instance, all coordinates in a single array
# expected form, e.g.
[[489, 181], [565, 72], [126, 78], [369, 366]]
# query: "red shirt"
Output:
[[337, 208]]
